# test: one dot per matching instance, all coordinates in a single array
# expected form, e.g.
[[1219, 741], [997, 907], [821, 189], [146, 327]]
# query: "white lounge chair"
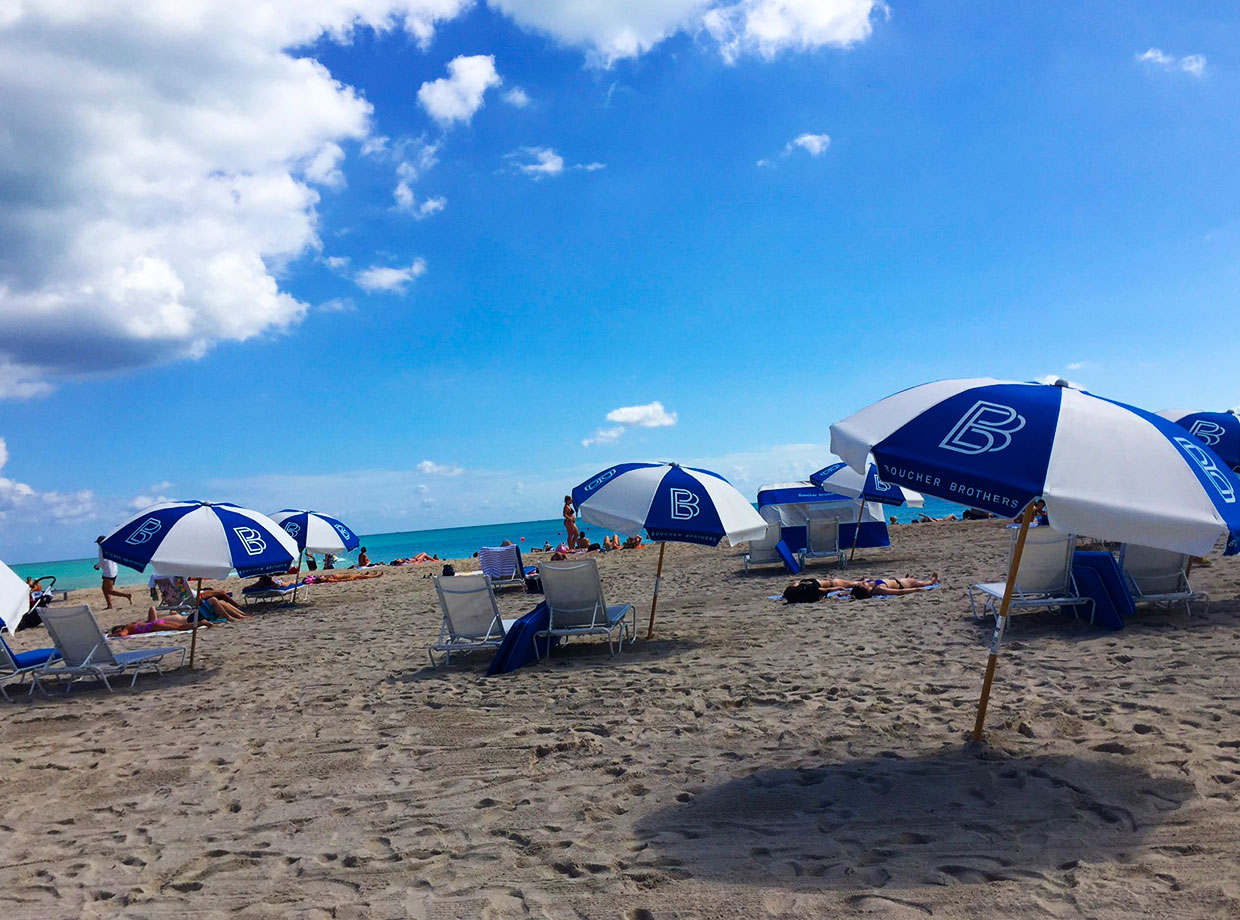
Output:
[[174, 593], [20, 665], [471, 619], [763, 552], [84, 650], [503, 564], [823, 540], [1158, 576], [1044, 578], [575, 604]]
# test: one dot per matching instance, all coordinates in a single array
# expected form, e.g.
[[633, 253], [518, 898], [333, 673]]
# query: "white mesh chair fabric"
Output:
[[84, 650], [823, 540], [470, 617], [1158, 576], [1044, 578], [576, 607], [762, 551]]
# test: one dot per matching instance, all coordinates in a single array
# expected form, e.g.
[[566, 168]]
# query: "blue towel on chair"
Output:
[[517, 648]]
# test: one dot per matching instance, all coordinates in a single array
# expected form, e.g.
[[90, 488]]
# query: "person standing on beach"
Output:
[[570, 522], [107, 568]]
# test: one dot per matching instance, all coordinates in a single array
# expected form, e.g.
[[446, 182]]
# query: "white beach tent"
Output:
[[791, 506]]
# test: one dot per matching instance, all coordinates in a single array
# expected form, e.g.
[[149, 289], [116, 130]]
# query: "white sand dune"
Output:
[[753, 760]]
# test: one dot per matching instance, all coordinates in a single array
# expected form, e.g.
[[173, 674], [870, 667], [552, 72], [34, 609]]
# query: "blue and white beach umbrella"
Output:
[[1103, 468], [670, 502], [315, 532], [14, 598], [1220, 431], [201, 540], [844, 480]]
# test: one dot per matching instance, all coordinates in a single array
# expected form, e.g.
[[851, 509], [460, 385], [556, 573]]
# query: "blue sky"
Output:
[[400, 261]]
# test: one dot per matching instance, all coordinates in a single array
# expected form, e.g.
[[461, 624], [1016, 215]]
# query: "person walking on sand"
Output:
[[570, 522], [107, 568]]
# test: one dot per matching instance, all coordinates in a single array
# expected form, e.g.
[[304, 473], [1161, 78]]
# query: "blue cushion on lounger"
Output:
[[790, 561], [35, 657]]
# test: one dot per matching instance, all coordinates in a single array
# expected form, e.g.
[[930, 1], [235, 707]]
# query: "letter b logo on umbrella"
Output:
[[684, 504], [144, 531], [251, 539], [986, 428]]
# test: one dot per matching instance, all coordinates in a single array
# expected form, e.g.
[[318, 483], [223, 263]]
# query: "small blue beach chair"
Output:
[[20, 665]]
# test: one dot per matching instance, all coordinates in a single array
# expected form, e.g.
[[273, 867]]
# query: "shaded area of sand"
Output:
[[753, 760]]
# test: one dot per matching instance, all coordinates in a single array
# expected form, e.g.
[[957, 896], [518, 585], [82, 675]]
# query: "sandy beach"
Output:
[[753, 760]]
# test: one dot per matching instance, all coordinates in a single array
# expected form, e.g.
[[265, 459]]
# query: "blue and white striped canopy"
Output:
[[201, 540], [842, 478], [14, 598], [670, 502], [315, 532], [1218, 430], [1105, 469]]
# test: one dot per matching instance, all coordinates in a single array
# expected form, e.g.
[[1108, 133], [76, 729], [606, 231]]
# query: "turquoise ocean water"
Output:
[[447, 543]]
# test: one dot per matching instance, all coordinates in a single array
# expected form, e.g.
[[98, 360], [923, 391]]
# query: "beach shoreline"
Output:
[[753, 759]]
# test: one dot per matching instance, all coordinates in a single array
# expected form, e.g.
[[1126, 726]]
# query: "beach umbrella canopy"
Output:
[[1218, 430], [1103, 468], [843, 479], [14, 598], [670, 502], [315, 532], [200, 539]]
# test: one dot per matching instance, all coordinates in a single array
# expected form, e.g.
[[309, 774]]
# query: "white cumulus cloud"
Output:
[[517, 97], [459, 95], [608, 30], [391, 280], [651, 415], [159, 163], [768, 27], [544, 162], [1194, 64], [431, 468], [813, 144]]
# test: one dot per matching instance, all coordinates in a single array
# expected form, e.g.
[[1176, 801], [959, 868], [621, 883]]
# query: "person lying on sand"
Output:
[[217, 605], [808, 590], [890, 587], [173, 622], [335, 577]]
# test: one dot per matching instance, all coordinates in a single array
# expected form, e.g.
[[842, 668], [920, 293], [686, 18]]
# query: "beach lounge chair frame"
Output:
[[85, 652], [576, 607], [503, 565], [1158, 576], [470, 616], [20, 665], [1044, 578], [822, 540], [763, 552], [269, 596], [175, 594]]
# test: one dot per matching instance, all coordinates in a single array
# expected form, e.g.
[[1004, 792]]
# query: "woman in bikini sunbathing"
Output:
[[892, 587], [808, 590], [173, 622]]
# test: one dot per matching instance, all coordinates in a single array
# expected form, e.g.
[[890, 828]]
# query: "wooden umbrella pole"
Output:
[[1001, 623], [193, 636], [654, 601], [857, 529]]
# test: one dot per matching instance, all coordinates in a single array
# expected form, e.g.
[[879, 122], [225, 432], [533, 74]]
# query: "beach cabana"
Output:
[[792, 506], [1103, 468]]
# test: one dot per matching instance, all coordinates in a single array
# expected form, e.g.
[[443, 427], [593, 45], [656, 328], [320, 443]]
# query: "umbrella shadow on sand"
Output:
[[582, 654], [895, 822]]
